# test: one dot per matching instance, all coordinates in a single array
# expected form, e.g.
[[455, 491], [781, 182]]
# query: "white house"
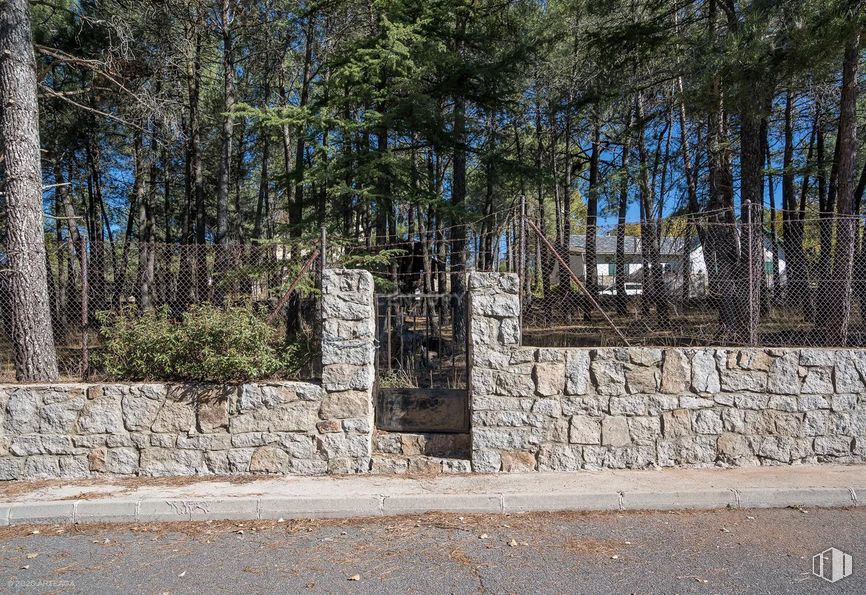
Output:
[[671, 255]]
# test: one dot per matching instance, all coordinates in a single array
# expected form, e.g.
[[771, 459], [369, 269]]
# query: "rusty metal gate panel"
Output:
[[421, 362]]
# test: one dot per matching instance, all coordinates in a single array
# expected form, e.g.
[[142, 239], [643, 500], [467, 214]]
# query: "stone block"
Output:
[[641, 379], [676, 423], [706, 421], [628, 405], [815, 423], [576, 371], [692, 402], [818, 357], [506, 438], [751, 401], [687, 450], [818, 381], [171, 461], [177, 414], [485, 460], [59, 417], [585, 430], [614, 431], [122, 461], [676, 372], [517, 461], [833, 446], [559, 457], [22, 411], [585, 405], [608, 375], [549, 378], [212, 412], [849, 371], [743, 380], [705, 375], [630, 457], [346, 404], [515, 384], [346, 377], [269, 459], [734, 448], [749, 359], [300, 416], [547, 407], [336, 446], [657, 404], [644, 430], [784, 377], [101, 415], [139, 411]]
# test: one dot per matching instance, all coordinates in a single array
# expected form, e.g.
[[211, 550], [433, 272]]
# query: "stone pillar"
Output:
[[494, 334], [348, 349]]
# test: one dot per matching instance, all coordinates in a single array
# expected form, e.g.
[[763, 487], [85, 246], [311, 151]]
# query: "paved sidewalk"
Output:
[[248, 498]]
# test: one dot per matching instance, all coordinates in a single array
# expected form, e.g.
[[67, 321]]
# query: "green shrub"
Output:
[[137, 347], [208, 344]]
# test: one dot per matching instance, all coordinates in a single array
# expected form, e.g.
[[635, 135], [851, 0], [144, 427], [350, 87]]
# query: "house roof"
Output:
[[670, 245]]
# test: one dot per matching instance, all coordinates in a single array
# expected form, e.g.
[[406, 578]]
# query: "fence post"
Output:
[[85, 292], [753, 323], [521, 265], [323, 249]]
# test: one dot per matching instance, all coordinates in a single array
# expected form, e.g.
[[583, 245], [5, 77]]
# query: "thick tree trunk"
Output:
[[32, 336], [621, 266], [838, 316], [224, 174], [792, 225], [752, 251]]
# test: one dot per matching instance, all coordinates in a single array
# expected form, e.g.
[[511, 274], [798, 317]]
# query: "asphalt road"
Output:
[[730, 551]]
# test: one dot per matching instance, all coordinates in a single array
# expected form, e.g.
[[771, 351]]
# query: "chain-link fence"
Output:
[[278, 281], [716, 278], [711, 279]]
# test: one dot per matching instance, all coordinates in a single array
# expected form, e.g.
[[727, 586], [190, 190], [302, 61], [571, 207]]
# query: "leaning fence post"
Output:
[[85, 291]]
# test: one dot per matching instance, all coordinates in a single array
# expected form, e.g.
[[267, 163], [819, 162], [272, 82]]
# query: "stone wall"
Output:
[[568, 409], [80, 430]]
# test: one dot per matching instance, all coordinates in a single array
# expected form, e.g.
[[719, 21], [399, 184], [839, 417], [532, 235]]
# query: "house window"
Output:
[[768, 266], [611, 269]]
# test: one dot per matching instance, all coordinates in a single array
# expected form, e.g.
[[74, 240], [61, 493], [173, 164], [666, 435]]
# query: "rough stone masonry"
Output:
[[566, 409], [531, 409], [80, 430]]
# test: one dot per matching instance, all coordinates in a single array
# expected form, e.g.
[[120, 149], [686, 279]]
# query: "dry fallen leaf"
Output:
[[182, 574], [614, 557], [482, 536], [355, 577], [512, 543], [31, 556]]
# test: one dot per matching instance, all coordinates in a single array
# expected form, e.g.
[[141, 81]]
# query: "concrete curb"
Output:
[[293, 507]]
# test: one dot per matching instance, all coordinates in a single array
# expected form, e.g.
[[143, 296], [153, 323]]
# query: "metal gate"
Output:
[[421, 363]]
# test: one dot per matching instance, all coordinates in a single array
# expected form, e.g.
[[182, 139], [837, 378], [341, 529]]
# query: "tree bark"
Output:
[[839, 289], [224, 174], [621, 266], [32, 336]]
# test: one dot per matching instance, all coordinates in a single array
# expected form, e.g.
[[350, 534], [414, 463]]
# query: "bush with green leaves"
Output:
[[208, 343]]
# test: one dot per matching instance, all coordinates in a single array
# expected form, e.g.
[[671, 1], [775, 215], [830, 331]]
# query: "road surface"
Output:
[[730, 551]]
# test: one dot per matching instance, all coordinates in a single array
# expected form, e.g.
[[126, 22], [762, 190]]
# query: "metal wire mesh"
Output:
[[86, 278], [712, 279], [696, 281]]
